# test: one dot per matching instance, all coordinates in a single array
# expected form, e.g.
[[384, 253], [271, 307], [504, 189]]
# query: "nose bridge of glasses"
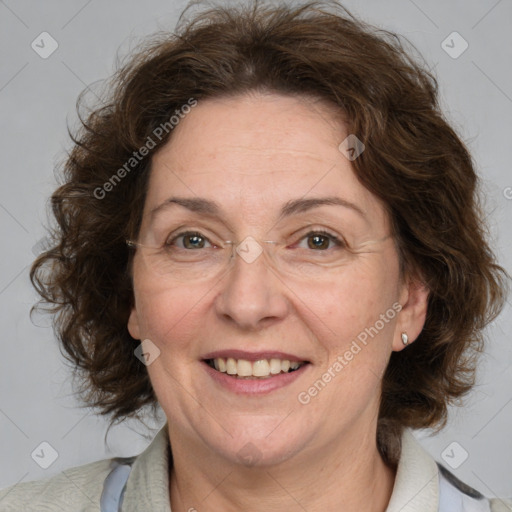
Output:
[[249, 249]]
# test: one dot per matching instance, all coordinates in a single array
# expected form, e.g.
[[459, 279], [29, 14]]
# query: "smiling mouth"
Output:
[[261, 369]]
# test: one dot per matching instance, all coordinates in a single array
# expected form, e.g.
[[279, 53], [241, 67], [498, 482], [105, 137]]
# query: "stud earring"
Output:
[[405, 338]]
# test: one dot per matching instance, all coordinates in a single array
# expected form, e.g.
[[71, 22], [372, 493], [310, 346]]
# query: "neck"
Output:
[[348, 474]]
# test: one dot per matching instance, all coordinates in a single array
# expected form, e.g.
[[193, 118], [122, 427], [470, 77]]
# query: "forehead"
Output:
[[254, 153]]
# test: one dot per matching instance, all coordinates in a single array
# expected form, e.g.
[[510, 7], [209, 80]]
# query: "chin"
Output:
[[254, 444]]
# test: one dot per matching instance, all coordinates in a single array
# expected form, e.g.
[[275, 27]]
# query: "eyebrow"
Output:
[[211, 208]]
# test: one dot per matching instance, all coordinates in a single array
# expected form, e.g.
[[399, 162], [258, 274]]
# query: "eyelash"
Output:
[[336, 240]]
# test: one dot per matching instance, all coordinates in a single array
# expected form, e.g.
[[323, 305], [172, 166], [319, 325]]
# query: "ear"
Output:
[[411, 319], [133, 324]]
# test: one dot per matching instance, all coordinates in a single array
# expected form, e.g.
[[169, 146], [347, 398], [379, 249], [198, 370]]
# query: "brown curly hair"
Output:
[[414, 162]]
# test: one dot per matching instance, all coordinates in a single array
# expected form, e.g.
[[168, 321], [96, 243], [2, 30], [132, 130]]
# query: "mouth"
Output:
[[259, 369]]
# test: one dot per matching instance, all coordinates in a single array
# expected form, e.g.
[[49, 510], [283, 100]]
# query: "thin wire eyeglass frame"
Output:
[[250, 257]]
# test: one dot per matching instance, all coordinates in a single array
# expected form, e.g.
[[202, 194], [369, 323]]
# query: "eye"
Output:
[[321, 240], [190, 240]]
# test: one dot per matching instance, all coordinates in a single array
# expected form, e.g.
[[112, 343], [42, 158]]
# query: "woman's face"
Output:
[[335, 312]]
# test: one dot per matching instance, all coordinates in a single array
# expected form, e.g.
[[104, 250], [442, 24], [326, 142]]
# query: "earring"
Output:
[[405, 338]]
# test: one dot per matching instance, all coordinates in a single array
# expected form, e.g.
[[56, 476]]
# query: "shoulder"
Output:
[[79, 487], [424, 484], [84, 488], [456, 495], [501, 505]]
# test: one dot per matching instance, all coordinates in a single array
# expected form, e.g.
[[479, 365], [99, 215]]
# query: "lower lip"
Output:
[[257, 386]]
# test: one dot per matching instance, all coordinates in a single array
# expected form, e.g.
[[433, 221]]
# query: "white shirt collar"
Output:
[[416, 486]]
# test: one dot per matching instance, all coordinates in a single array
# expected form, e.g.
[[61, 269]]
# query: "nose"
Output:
[[252, 294]]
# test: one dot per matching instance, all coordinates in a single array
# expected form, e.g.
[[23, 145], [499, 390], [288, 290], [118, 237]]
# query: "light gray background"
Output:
[[37, 98]]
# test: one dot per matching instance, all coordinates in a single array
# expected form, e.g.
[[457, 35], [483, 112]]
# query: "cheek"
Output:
[[354, 300], [356, 331], [168, 314]]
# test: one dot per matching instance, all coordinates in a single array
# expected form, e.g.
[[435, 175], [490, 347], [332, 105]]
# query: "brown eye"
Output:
[[322, 240], [318, 242]]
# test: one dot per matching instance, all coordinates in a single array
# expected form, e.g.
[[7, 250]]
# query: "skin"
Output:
[[253, 153]]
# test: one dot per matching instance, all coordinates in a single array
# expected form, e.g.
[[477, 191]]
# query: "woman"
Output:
[[267, 232]]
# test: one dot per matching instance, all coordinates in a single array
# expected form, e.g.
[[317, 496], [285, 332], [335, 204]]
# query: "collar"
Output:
[[416, 487], [147, 487]]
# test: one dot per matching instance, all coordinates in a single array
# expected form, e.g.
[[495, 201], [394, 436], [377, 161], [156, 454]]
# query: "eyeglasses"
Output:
[[200, 258]]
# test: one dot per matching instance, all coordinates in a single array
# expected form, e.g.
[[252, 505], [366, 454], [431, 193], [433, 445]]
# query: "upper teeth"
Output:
[[261, 368]]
